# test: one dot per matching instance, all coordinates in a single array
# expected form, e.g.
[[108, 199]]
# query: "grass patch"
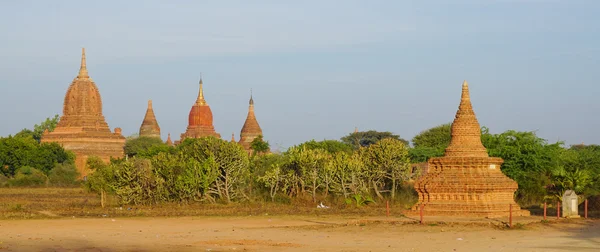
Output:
[[36, 203]]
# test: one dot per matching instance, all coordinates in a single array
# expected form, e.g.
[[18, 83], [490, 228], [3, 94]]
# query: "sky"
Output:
[[317, 69]]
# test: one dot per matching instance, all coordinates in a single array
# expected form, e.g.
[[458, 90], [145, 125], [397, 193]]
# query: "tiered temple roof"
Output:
[[150, 126], [466, 181], [82, 127], [200, 123]]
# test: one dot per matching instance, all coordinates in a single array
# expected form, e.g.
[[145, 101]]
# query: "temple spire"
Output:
[[466, 132], [251, 102], [232, 137], [83, 73], [200, 100]]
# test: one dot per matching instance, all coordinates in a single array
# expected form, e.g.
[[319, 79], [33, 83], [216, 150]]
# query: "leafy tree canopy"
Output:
[[145, 146], [437, 137], [366, 138], [16, 152], [259, 145], [331, 146]]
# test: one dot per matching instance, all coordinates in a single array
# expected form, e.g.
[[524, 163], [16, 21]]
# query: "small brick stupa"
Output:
[[150, 126], [169, 142], [200, 120], [466, 181], [82, 127], [251, 129]]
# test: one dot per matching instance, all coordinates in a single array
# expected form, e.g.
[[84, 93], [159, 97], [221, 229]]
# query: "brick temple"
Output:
[[82, 127], [251, 129], [149, 127], [466, 181], [200, 121]]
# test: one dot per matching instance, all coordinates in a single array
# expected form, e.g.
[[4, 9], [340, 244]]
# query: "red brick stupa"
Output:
[[150, 126], [82, 127], [251, 129], [200, 122], [466, 181]]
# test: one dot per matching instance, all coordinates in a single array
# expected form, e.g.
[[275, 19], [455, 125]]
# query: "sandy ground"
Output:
[[289, 233]]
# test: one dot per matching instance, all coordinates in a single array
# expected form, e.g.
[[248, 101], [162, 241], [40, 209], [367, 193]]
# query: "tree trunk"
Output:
[[376, 190], [102, 196], [393, 194]]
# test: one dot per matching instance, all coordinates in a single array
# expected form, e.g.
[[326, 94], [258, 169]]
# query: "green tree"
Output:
[[389, 157], [258, 145], [145, 146], [16, 152], [366, 138], [48, 124], [232, 162], [437, 137], [310, 166], [430, 143], [331, 146]]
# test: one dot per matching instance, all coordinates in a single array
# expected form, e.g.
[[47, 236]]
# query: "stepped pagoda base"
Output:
[[466, 186]]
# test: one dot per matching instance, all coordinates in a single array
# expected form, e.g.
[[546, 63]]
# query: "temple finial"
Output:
[[149, 104], [200, 99], [232, 137], [355, 129], [251, 100], [83, 73], [465, 97]]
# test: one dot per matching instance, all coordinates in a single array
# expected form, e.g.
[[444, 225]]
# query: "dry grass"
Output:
[[37, 203]]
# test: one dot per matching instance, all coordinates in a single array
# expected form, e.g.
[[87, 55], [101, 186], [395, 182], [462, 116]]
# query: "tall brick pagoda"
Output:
[[200, 122], [466, 181], [82, 127], [150, 126], [251, 129]]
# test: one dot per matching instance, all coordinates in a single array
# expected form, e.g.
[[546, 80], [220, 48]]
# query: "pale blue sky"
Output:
[[318, 68]]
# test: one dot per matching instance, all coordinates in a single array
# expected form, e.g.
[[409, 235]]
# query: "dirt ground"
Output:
[[289, 233]]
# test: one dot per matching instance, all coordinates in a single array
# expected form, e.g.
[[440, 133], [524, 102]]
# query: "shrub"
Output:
[[63, 175], [28, 176]]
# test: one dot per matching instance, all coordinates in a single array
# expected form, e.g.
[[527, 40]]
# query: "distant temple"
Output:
[[466, 181], [200, 123], [82, 127], [149, 126], [251, 129]]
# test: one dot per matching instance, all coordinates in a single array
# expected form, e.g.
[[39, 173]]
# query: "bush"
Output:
[[63, 175], [28, 176], [3, 180]]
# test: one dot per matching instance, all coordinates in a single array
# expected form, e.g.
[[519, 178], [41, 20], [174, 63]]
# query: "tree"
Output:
[[389, 157], [48, 124], [366, 138], [16, 152], [231, 160], [349, 174], [258, 145], [437, 137], [310, 166], [331, 146], [144, 146], [430, 143]]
